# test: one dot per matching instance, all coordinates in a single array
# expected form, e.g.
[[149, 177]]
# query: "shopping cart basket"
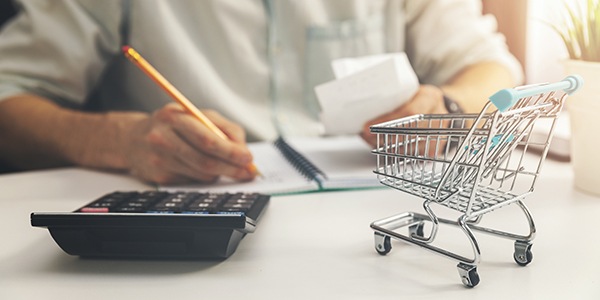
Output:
[[470, 163]]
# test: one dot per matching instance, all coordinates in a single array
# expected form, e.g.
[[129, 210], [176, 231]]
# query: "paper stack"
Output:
[[365, 88]]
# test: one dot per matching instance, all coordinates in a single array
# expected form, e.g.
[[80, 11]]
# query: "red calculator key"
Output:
[[94, 209]]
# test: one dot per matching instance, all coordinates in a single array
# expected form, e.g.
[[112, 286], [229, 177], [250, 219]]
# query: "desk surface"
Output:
[[306, 247]]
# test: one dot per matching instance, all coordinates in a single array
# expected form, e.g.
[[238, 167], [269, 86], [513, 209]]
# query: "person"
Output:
[[68, 97]]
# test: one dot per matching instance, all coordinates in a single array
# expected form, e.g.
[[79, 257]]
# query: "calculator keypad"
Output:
[[172, 202], [156, 224]]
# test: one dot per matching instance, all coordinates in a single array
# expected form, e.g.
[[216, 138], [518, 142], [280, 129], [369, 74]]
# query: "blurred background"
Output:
[[537, 46], [534, 43]]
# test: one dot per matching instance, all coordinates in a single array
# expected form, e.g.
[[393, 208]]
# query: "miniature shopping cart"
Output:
[[470, 163]]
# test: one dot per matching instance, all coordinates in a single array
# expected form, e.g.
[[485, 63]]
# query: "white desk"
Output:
[[312, 246]]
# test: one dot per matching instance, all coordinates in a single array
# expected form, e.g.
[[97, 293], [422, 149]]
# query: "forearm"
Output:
[[36, 133], [472, 87]]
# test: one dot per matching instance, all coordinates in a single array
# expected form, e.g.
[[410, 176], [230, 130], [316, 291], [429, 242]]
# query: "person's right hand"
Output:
[[171, 146]]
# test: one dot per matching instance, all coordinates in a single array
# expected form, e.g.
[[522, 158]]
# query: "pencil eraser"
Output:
[[125, 48]]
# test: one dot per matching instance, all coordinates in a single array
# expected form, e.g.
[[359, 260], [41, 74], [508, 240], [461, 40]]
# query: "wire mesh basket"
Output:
[[470, 163]]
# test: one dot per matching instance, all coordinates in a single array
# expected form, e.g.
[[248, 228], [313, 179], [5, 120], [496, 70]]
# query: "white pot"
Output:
[[589, 94], [584, 112]]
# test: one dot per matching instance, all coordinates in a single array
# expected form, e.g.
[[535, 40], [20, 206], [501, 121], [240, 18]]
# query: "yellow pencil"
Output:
[[147, 68]]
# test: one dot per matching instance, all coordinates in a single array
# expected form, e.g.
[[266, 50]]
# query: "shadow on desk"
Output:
[[65, 264], [52, 260]]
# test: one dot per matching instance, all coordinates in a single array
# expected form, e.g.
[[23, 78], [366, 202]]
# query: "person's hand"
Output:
[[171, 146], [428, 100]]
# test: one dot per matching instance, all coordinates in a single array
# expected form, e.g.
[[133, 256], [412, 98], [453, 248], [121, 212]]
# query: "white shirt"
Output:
[[256, 62]]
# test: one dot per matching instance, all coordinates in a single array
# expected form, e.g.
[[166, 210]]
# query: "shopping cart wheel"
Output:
[[523, 255], [383, 243], [468, 274], [416, 229]]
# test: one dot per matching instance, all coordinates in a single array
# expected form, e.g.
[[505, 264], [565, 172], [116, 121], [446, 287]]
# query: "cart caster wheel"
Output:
[[383, 243], [416, 229], [468, 274], [523, 255]]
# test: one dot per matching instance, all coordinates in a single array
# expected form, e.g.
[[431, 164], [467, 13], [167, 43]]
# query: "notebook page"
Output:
[[346, 160], [279, 177]]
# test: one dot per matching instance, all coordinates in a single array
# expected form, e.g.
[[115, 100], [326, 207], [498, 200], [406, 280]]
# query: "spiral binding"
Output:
[[299, 161]]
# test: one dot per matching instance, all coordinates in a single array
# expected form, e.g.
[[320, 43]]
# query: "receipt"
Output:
[[365, 88]]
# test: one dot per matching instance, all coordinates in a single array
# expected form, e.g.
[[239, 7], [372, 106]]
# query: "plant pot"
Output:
[[589, 94], [584, 111]]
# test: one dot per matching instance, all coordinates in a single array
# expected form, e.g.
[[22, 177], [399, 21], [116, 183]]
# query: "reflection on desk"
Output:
[[308, 246]]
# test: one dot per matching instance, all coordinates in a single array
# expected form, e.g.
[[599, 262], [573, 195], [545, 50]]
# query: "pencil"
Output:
[[147, 68]]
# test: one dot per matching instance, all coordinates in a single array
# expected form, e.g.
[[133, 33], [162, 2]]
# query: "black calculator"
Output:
[[156, 224]]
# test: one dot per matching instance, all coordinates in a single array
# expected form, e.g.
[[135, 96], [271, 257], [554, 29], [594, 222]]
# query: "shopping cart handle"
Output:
[[506, 98]]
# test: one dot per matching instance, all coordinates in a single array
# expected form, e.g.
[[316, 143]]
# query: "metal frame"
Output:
[[467, 163]]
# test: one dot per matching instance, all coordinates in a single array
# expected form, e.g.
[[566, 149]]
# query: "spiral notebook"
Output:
[[301, 165]]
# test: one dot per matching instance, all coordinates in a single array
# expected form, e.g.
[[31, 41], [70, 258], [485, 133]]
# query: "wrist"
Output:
[[107, 136], [452, 106]]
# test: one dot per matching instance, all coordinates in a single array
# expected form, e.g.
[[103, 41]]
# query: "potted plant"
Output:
[[579, 29]]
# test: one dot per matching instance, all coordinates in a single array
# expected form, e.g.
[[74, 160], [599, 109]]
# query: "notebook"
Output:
[[300, 165], [560, 147]]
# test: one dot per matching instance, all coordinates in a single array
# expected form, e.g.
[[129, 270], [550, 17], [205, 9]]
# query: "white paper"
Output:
[[346, 161], [367, 88], [344, 67]]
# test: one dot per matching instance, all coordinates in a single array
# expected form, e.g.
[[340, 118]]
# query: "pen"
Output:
[[147, 68]]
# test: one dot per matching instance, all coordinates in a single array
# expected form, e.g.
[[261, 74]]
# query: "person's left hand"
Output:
[[428, 100]]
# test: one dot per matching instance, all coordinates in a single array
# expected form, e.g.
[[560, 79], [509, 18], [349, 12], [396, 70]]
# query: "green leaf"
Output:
[[579, 29]]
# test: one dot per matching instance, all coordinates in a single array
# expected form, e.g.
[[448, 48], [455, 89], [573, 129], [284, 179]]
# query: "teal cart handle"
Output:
[[506, 98]]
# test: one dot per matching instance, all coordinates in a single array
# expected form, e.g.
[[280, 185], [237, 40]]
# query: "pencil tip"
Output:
[[254, 170]]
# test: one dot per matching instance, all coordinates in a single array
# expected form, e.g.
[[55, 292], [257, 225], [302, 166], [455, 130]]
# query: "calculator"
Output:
[[156, 225]]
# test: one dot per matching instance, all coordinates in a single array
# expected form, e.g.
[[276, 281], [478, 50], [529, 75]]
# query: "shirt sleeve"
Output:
[[58, 49], [445, 36]]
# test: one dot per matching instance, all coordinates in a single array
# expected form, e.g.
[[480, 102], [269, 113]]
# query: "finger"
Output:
[[202, 167], [235, 132], [177, 156], [368, 137], [232, 130], [162, 162], [204, 140], [428, 100], [222, 156]]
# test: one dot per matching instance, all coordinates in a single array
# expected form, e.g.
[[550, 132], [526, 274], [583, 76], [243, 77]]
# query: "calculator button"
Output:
[[202, 206], [237, 205], [230, 212], [110, 200], [128, 209], [188, 196], [102, 204], [94, 210]]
